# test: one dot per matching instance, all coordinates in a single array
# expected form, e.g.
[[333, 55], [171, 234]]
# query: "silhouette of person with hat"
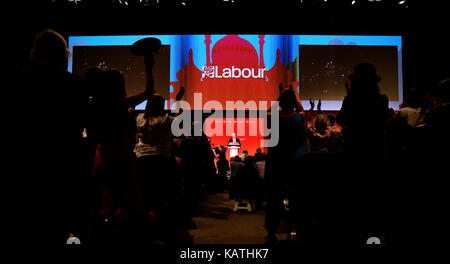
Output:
[[363, 115], [364, 111]]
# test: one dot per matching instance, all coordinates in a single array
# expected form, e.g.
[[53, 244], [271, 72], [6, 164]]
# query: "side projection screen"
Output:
[[247, 68], [132, 67]]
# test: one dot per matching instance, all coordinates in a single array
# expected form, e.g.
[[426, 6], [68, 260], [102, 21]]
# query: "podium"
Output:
[[234, 149]]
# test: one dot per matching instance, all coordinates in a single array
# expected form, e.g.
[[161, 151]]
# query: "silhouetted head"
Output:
[[365, 72], [335, 142], [245, 152], [320, 122], [280, 87], [258, 150], [155, 106], [364, 80], [288, 101], [442, 91], [414, 98], [249, 161], [50, 49], [237, 158]]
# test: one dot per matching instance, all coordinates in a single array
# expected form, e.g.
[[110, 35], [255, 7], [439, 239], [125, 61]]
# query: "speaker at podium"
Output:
[[234, 144], [234, 149]]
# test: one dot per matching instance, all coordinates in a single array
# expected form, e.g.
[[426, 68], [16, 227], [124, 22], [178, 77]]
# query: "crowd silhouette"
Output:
[[124, 177]]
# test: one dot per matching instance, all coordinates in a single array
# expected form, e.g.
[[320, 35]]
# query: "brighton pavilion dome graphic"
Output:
[[233, 71]]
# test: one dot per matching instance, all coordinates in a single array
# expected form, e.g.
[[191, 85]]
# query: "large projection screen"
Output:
[[247, 68]]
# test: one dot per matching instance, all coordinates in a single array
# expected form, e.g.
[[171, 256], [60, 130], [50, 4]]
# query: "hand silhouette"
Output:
[[280, 88], [180, 94], [311, 102]]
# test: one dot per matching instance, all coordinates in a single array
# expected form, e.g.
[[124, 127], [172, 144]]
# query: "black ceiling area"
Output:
[[422, 23]]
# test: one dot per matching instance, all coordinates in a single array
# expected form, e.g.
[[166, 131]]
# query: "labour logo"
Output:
[[208, 71], [233, 72]]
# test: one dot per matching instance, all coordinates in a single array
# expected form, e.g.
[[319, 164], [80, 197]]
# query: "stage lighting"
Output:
[[185, 3], [401, 2]]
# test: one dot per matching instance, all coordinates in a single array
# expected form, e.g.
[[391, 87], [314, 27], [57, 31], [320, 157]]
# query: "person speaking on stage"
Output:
[[234, 140]]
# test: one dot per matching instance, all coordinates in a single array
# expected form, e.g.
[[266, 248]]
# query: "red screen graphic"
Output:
[[233, 72]]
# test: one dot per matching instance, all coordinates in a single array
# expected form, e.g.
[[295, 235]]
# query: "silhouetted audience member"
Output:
[[223, 167], [281, 159], [243, 155], [364, 112], [398, 135], [259, 155], [318, 205], [427, 165], [319, 133], [260, 162], [112, 130], [363, 117], [246, 184], [411, 107], [320, 130], [155, 163], [197, 169], [56, 105], [436, 116], [235, 164], [336, 142], [157, 170], [260, 167]]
